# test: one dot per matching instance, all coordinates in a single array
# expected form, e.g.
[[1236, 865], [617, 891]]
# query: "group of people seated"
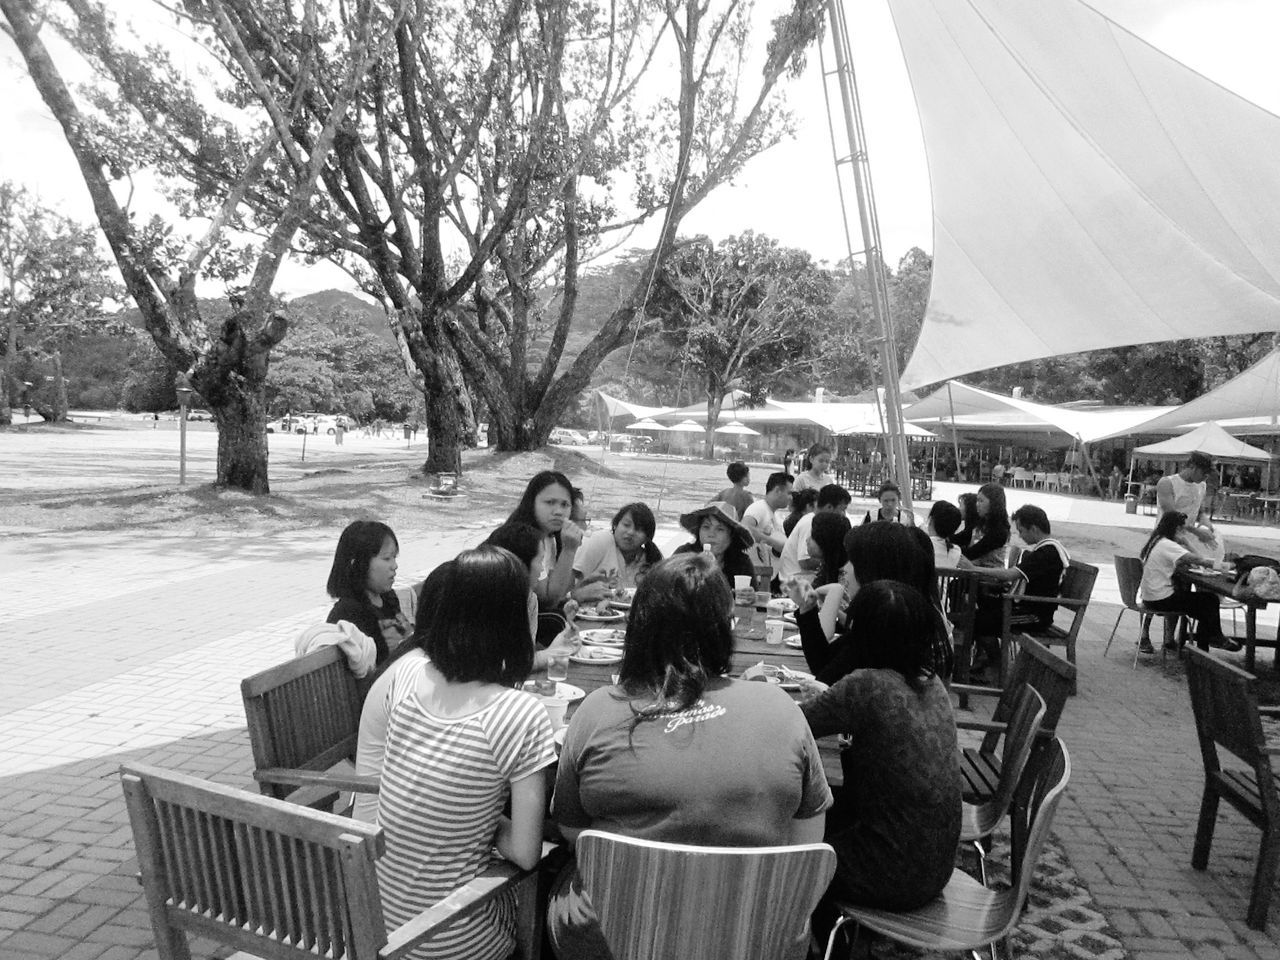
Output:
[[677, 749]]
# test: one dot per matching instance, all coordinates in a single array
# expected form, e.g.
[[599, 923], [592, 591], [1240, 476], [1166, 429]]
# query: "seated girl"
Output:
[[678, 751], [619, 556], [546, 504], [989, 542], [943, 524], [876, 551], [461, 740], [362, 581], [1162, 557], [895, 825], [716, 530]]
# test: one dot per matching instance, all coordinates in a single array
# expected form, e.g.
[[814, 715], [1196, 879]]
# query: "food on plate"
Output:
[[597, 653]]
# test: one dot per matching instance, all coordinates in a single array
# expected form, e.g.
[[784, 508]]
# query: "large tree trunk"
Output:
[[6, 372], [232, 380], [60, 403], [451, 425]]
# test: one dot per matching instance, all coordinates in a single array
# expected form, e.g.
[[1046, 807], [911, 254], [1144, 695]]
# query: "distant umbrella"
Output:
[[645, 424], [739, 428], [687, 426]]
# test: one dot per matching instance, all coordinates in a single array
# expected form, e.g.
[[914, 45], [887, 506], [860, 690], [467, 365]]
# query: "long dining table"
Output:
[[1224, 586]]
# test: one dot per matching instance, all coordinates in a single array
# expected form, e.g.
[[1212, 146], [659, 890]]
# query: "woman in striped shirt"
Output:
[[460, 740]]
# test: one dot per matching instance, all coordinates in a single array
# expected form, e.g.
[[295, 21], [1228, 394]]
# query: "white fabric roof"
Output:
[[983, 409], [1248, 403], [845, 418], [621, 408], [1088, 190], [1208, 438]]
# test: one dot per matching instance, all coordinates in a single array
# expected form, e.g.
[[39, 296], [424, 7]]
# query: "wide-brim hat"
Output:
[[726, 514]]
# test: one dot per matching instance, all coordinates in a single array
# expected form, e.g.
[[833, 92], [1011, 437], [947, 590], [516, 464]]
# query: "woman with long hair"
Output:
[[895, 825], [1163, 557], [547, 503], [678, 751], [968, 519], [875, 551], [362, 581], [461, 742], [990, 540], [826, 545]]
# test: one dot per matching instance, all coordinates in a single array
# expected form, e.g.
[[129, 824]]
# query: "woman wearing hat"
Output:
[[716, 526]]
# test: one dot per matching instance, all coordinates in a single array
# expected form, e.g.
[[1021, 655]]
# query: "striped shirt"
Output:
[[444, 782]]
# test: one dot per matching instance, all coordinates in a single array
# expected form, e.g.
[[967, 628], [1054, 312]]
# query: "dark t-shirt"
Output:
[[737, 498], [1042, 566], [366, 617], [736, 563]]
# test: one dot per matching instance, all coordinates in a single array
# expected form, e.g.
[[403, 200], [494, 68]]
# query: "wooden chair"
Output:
[[278, 880], [967, 916], [661, 900], [303, 718], [1074, 594], [1128, 578], [979, 820], [1225, 702]]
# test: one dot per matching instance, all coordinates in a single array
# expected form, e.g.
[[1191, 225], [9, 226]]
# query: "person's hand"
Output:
[[570, 536], [811, 688], [802, 594], [566, 642], [570, 609], [591, 592]]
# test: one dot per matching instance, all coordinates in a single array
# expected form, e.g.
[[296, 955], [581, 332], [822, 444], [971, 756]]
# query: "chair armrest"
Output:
[[1060, 601], [1270, 750], [1269, 711], [985, 726], [356, 783], [458, 905], [968, 690]]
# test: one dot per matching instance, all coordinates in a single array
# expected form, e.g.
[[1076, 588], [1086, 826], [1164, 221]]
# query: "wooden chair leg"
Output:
[[1204, 829], [1263, 880]]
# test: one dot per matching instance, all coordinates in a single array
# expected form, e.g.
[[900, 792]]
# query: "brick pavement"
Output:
[[139, 654]]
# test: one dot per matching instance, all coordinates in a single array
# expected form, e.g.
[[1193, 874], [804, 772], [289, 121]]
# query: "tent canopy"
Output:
[[1248, 403], [1088, 190], [1208, 438], [622, 408], [982, 409]]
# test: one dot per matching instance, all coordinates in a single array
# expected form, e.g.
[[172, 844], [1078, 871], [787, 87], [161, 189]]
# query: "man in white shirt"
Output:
[[760, 520], [795, 553]]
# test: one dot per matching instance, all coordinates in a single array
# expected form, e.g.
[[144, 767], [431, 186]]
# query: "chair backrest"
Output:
[[1038, 800], [302, 714], [661, 900], [1047, 674], [1128, 577], [1077, 584], [1225, 703], [1019, 739], [260, 874]]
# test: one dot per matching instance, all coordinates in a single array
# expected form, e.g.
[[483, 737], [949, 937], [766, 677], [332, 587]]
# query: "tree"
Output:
[[504, 128], [746, 310], [145, 115]]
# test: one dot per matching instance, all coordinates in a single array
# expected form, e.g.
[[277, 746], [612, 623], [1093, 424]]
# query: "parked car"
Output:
[[288, 425], [570, 438]]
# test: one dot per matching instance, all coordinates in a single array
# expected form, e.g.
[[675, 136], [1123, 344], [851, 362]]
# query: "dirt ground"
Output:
[[390, 487]]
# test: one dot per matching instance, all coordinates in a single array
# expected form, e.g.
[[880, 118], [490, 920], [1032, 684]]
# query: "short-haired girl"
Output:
[[362, 580]]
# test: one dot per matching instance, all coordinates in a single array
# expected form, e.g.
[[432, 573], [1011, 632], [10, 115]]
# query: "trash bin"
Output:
[[1130, 503]]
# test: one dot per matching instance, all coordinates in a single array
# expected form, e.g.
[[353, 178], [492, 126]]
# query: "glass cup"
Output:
[[558, 668], [773, 632]]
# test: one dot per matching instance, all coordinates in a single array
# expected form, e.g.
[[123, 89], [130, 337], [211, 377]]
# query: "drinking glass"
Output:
[[558, 668]]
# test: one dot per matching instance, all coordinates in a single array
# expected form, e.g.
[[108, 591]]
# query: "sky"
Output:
[[790, 191]]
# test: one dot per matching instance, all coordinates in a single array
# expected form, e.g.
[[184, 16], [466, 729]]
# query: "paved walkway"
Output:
[[121, 648]]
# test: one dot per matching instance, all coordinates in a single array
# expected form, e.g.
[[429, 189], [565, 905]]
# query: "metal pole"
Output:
[[182, 445], [955, 440], [899, 462]]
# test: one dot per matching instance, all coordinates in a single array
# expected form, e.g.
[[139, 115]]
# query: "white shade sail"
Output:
[[1088, 190], [1209, 439], [975, 408], [1247, 403], [622, 408]]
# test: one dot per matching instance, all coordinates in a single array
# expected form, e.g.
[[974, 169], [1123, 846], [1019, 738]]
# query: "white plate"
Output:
[[794, 641], [564, 691], [606, 655], [781, 605], [592, 617], [789, 618], [604, 638], [782, 676]]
